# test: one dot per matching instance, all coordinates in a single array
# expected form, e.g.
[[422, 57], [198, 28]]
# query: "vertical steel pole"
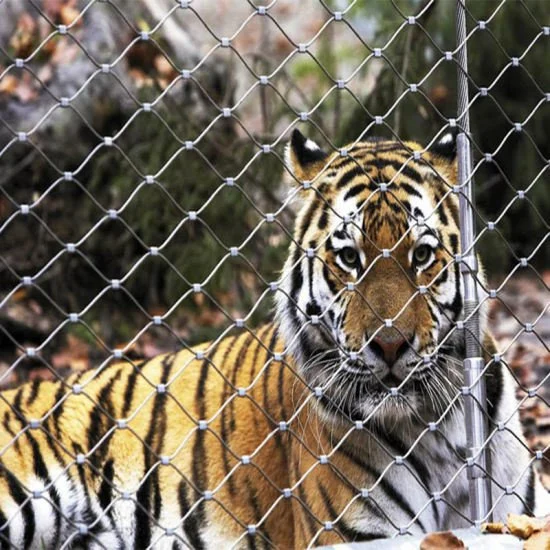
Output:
[[475, 401]]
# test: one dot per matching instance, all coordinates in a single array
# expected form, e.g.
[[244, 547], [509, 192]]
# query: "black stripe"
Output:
[[306, 222], [310, 518], [271, 346], [59, 395], [6, 423], [410, 190], [350, 175], [251, 542], [237, 366], [191, 524], [98, 424], [53, 426], [258, 514], [348, 533], [53, 447], [18, 494], [404, 169], [406, 205], [442, 214], [255, 360], [156, 431], [39, 466], [105, 489], [402, 450], [281, 388], [355, 190], [386, 486], [88, 512], [395, 207], [432, 264], [297, 278], [198, 465], [342, 233], [225, 395], [33, 392], [310, 261], [130, 388], [454, 211], [323, 218], [443, 276], [4, 532], [529, 507], [16, 406], [418, 465], [160, 426], [330, 283], [495, 383], [260, 336], [42, 472], [432, 311]]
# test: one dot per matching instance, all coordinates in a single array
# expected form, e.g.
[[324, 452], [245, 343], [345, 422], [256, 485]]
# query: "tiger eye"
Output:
[[422, 254], [349, 256]]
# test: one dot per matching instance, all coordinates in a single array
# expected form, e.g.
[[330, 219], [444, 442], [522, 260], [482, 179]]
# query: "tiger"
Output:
[[341, 420]]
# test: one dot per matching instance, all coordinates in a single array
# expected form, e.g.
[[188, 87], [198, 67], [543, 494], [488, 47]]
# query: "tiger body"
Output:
[[325, 426]]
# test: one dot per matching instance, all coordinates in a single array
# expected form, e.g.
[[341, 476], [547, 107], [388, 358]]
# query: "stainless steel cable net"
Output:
[[146, 206]]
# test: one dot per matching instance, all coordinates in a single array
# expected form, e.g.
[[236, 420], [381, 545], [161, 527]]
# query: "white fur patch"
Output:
[[15, 520], [311, 145], [44, 514], [447, 138]]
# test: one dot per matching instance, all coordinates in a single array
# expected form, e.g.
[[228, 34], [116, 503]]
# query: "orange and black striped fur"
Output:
[[333, 423]]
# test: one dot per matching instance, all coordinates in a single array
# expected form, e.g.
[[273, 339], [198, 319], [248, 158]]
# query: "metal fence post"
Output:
[[475, 400]]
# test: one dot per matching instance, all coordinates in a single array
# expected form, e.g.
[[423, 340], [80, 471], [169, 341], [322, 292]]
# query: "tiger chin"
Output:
[[340, 421]]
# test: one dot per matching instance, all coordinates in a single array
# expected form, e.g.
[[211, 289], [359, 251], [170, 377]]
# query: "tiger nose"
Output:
[[390, 348]]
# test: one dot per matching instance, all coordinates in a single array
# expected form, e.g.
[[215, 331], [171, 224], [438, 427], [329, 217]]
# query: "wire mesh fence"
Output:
[[389, 378]]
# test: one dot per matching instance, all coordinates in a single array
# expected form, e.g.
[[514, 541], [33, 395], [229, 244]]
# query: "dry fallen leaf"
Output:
[[164, 67], [524, 526], [65, 51], [494, 528], [8, 84], [140, 78], [68, 14], [441, 541], [24, 37], [52, 7], [26, 88], [520, 525], [45, 74]]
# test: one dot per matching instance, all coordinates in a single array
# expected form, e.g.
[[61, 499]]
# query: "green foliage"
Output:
[[190, 251]]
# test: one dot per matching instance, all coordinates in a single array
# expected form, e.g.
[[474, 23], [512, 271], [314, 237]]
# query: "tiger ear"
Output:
[[304, 157], [445, 146]]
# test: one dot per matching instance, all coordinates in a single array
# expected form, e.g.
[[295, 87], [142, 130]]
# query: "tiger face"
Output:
[[371, 291]]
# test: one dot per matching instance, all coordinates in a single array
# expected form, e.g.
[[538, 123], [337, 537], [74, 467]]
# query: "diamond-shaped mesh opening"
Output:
[[218, 331]]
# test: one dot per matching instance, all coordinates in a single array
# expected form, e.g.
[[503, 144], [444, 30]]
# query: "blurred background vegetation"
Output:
[[114, 215]]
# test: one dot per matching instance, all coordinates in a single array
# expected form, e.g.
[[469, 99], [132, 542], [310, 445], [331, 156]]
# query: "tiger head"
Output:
[[370, 292]]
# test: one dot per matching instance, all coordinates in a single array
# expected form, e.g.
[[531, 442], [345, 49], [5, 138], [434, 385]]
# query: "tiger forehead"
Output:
[[377, 177], [380, 162]]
